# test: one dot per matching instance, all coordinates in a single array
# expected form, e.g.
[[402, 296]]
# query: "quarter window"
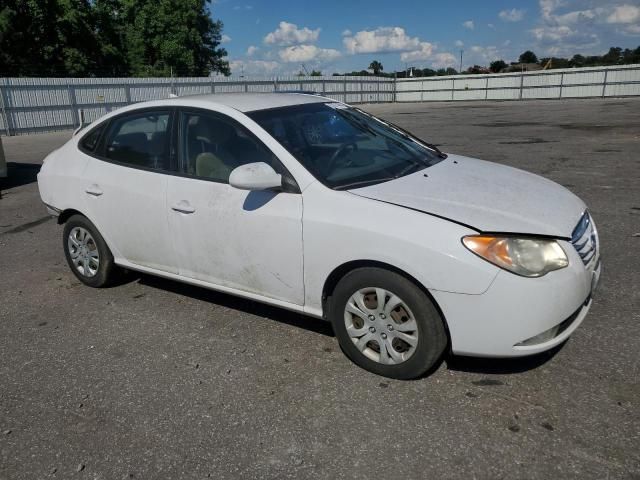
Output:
[[90, 140], [140, 140], [214, 145]]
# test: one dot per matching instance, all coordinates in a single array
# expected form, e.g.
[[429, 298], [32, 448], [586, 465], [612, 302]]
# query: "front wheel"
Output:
[[386, 324]]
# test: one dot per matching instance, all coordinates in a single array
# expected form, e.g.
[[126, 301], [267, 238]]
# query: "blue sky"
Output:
[[275, 37]]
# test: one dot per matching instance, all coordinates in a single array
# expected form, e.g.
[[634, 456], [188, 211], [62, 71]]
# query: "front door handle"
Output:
[[183, 206], [94, 190]]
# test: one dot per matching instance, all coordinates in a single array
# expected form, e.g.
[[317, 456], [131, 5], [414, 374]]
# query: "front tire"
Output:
[[386, 324], [87, 253]]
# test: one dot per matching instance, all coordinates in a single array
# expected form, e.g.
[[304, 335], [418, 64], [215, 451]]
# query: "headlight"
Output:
[[529, 257]]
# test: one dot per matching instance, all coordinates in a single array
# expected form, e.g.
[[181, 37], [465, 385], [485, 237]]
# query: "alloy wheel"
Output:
[[381, 325], [83, 251]]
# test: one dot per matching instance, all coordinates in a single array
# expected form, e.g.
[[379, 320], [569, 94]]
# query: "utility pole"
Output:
[[461, 51]]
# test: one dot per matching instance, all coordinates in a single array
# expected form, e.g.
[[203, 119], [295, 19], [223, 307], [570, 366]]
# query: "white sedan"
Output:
[[315, 206]]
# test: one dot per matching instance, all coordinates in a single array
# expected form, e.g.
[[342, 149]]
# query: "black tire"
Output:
[[432, 337], [107, 270]]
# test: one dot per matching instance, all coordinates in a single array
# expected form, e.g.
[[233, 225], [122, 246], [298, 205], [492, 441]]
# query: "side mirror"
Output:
[[255, 176]]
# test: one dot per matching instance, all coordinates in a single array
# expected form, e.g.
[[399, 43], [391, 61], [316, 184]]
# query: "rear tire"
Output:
[[402, 338], [87, 253]]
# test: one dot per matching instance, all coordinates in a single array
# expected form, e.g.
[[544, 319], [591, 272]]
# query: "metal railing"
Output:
[[30, 105]]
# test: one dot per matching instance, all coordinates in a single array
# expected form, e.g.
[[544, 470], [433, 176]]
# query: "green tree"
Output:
[[110, 30], [556, 62], [46, 37], [315, 73], [497, 66], [528, 57], [376, 66], [577, 61], [631, 56], [477, 69], [179, 36], [613, 56]]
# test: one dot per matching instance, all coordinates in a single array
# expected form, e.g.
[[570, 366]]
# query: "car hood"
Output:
[[486, 196]]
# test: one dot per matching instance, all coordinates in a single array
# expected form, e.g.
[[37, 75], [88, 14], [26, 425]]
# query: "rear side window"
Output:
[[90, 140], [139, 140]]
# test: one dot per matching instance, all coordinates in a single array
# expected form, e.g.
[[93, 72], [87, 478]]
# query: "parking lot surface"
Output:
[[155, 379]]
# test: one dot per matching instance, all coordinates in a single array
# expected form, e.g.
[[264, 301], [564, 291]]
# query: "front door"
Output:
[[250, 241]]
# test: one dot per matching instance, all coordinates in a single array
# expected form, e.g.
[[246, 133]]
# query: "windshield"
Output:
[[344, 147]]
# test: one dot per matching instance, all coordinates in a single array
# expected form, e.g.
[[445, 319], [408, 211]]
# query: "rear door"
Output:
[[245, 240], [126, 188]]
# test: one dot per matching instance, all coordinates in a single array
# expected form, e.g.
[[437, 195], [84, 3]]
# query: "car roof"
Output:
[[248, 102]]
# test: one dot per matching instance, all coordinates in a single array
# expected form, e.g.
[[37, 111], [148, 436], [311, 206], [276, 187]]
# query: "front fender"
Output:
[[339, 227]]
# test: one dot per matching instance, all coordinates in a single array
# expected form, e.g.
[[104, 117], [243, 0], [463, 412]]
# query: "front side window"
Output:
[[139, 140], [344, 147], [213, 145]]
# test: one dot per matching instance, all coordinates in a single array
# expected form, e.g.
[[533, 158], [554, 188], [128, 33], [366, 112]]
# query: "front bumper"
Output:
[[520, 316]]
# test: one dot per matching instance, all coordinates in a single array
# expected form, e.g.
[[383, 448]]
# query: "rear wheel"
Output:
[[87, 253], [386, 324]]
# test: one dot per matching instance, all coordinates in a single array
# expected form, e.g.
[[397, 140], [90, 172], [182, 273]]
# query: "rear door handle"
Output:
[[94, 190], [183, 206]]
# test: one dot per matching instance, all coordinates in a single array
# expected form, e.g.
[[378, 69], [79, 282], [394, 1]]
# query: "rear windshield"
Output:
[[344, 147]]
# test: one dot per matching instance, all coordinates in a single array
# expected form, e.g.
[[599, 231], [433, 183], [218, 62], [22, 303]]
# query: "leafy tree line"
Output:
[[106, 38], [416, 72], [615, 56]]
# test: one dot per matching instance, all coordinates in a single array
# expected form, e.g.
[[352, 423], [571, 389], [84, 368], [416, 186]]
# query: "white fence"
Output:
[[29, 105], [563, 83]]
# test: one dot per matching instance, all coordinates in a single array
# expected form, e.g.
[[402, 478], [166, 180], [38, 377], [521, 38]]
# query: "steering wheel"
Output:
[[342, 149]]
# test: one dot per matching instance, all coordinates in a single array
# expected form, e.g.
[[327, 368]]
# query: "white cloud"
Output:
[[346, 33], [563, 40], [307, 53], [547, 7], [252, 50], [459, 43], [568, 32], [253, 67], [484, 55], [626, 15], [243, 7], [578, 16], [513, 15], [444, 60], [383, 39], [491, 25], [423, 53], [290, 34], [225, 39], [552, 34], [632, 30], [469, 24]]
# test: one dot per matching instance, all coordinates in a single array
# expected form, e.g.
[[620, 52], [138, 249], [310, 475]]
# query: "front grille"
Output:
[[585, 238]]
